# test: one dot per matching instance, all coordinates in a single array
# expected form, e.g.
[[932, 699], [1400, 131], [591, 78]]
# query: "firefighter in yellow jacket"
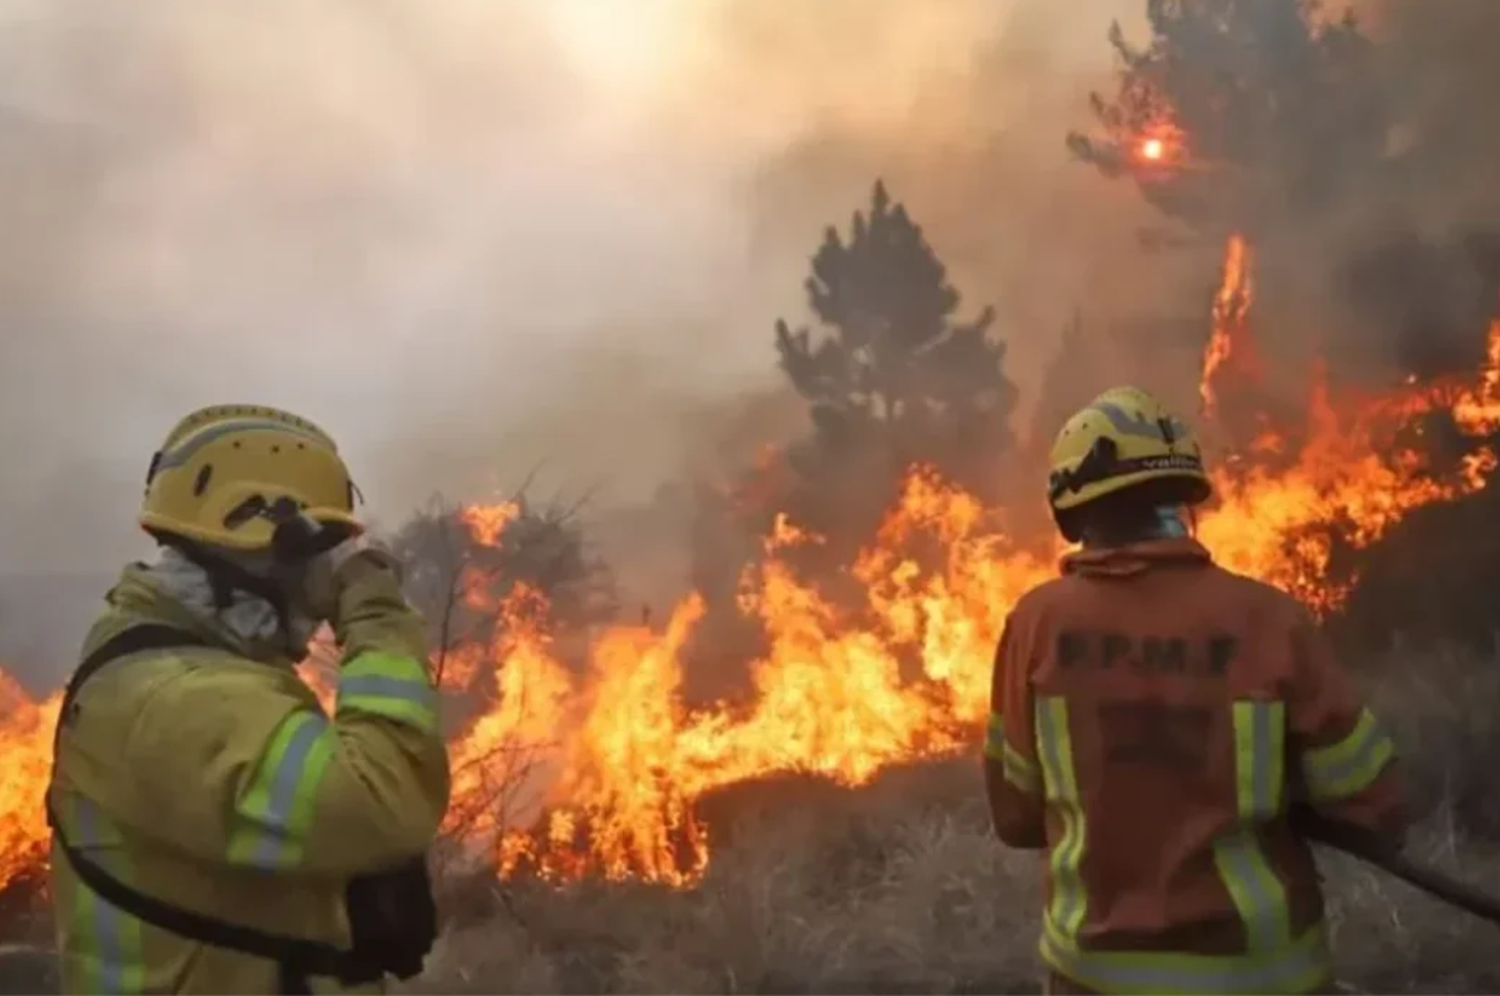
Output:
[[213, 830]]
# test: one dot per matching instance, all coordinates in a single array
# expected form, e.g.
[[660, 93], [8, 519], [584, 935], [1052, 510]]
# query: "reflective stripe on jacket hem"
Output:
[[1299, 966]]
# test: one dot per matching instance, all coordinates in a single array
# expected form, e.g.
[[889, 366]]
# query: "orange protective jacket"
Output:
[[1152, 716]]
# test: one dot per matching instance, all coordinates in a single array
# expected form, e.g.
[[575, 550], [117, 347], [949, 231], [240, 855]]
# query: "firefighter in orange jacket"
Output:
[[1154, 719]]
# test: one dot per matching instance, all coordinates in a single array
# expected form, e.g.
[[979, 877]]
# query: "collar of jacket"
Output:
[[145, 597], [1136, 558]]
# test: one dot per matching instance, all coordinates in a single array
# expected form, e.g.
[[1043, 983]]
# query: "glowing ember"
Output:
[[1160, 144]]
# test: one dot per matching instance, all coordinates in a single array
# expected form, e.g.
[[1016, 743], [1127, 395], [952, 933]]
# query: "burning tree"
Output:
[[1267, 118], [1266, 126], [894, 377], [450, 550], [1240, 110]]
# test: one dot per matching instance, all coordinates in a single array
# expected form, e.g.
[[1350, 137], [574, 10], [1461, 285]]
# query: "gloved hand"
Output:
[[325, 576]]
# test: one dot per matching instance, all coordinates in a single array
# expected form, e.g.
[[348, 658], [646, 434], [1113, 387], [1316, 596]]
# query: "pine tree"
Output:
[[894, 367]]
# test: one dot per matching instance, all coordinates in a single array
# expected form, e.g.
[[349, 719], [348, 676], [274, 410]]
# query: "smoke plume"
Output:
[[473, 238]]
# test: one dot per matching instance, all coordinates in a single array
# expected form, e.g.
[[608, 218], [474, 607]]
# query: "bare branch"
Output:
[[450, 602]]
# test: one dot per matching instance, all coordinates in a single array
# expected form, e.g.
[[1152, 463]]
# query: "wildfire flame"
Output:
[[26, 744], [595, 770], [1229, 340], [487, 522]]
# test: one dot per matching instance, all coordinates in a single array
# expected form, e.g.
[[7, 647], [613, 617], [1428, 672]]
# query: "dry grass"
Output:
[[858, 892], [913, 902], [900, 887]]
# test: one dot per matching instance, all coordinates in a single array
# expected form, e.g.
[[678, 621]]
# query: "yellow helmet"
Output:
[[223, 471], [1122, 439]]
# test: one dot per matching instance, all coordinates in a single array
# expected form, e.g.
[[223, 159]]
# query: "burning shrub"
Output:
[[462, 559]]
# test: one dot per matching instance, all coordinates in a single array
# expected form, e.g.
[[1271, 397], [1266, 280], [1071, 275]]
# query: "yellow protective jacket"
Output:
[[216, 783]]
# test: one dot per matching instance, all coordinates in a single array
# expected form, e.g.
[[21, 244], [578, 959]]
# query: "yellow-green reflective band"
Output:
[[1299, 966], [1257, 893], [1069, 905], [1351, 765], [1259, 771], [391, 686], [275, 814], [378, 664], [1019, 770], [110, 937], [994, 738], [1259, 748]]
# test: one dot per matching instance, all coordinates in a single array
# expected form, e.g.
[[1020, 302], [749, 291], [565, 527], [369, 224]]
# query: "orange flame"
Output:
[[593, 767], [1231, 308], [487, 522], [26, 744]]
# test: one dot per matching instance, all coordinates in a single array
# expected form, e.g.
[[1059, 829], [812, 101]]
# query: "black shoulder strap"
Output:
[[306, 957], [146, 636]]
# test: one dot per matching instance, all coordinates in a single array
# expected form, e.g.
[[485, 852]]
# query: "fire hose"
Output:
[[1378, 854]]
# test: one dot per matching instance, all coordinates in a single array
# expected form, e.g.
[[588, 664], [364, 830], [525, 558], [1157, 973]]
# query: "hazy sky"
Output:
[[468, 235], [454, 220]]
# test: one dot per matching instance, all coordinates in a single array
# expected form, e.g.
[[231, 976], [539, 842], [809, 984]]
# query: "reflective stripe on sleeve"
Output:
[[391, 686], [1019, 769], [109, 949], [1351, 765], [1069, 904], [273, 817]]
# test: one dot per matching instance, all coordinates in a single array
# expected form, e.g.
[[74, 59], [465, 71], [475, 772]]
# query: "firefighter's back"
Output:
[[1152, 717], [1174, 675]]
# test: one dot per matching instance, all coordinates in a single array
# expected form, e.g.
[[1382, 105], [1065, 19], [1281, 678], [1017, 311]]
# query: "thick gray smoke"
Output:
[[470, 237], [1429, 273]]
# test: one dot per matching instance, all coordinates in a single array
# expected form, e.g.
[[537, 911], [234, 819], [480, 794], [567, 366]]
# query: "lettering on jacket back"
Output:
[[1079, 649]]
